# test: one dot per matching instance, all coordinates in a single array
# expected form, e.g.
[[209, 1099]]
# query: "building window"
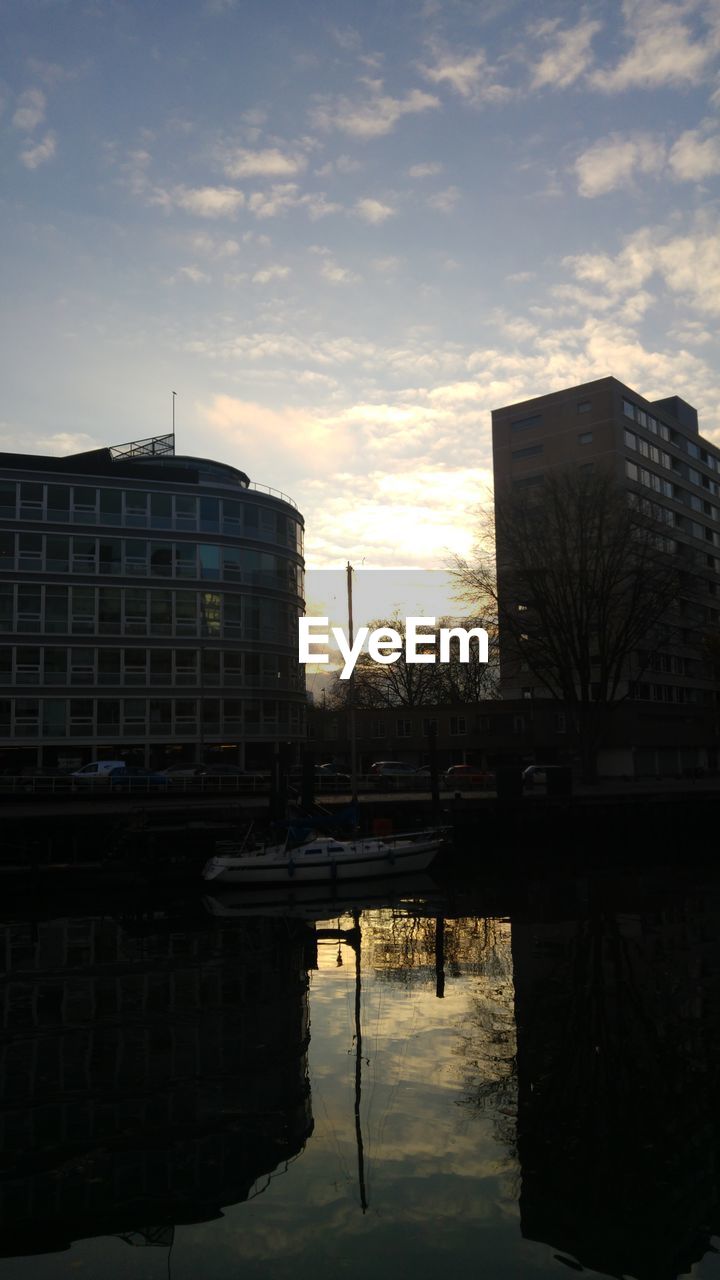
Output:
[[8, 490], [585, 438], [134, 717], [428, 727], [136, 510], [403, 728], [81, 717], [519, 724], [629, 409], [377, 729], [26, 717], [185, 513], [530, 452], [560, 722], [27, 666], [525, 424], [527, 481], [458, 726], [29, 550], [584, 406], [31, 500], [28, 608]]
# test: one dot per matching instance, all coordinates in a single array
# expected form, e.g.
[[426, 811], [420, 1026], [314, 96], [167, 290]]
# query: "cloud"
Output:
[[375, 116], [663, 49], [63, 442], [318, 206], [424, 170], [694, 158], [470, 76], [568, 58], [444, 201], [387, 265], [342, 164], [688, 265], [206, 202], [194, 274], [33, 156], [30, 110], [267, 274], [616, 160], [286, 195], [212, 247], [335, 274], [270, 163], [373, 211], [315, 442], [271, 204]]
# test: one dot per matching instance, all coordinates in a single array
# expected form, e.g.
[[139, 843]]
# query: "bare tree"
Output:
[[580, 576], [407, 684]]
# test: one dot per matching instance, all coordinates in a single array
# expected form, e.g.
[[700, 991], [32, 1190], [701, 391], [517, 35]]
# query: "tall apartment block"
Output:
[[148, 610], [654, 449]]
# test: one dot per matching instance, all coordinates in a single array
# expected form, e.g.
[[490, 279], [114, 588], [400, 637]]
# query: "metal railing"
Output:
[[207, 785], [274, 493]]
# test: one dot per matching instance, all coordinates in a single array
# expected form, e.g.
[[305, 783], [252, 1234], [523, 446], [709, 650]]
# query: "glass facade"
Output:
[[146, 610]]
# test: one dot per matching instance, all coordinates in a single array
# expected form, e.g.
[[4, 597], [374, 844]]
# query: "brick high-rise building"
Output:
[[654, 450]]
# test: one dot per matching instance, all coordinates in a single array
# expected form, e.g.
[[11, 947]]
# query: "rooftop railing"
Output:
[[274, 493]]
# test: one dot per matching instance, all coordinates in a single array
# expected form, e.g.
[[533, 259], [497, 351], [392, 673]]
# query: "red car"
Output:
[[468, 775]]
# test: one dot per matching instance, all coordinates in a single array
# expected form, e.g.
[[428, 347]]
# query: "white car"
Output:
[[537, 774], [98, 771]]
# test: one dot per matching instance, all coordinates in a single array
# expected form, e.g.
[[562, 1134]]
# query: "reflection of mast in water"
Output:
[[358, 1063]]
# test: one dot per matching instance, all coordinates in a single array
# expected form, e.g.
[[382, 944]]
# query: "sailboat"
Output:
[[328, 860]]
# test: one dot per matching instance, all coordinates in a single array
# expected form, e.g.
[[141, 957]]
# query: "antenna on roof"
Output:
[[174, 393]]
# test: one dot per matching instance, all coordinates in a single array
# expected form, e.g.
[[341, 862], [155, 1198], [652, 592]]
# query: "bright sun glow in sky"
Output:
[[344, 233]]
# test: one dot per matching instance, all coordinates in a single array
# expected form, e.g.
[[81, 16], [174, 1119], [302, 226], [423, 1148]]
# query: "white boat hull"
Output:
[[299, 866]]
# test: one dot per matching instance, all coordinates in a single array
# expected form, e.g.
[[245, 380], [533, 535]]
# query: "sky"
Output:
[[343, 233]]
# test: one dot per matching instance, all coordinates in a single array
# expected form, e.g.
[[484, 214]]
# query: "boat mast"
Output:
[[351, 694]]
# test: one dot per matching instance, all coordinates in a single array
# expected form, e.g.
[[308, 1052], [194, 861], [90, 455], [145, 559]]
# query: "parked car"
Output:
[[468, 775], [98, 771], [135, 777], [331, 778], [389, 775], [536, 775]]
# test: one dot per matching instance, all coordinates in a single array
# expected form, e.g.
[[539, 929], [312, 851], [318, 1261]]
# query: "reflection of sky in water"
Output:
[[437, 1122]]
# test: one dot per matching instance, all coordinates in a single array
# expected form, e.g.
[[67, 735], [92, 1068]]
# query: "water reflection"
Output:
[[151, 1073], [618, 1032], [516, 1094]]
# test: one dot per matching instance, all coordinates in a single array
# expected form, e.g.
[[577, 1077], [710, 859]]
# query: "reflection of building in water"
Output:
[[148, 1073], [618, 1029]]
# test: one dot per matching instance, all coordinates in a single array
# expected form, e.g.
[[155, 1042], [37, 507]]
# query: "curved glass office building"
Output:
[[148, 610]]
